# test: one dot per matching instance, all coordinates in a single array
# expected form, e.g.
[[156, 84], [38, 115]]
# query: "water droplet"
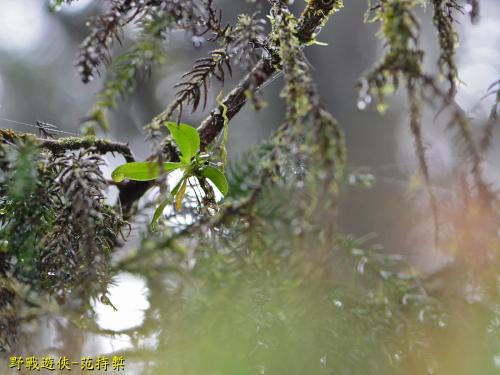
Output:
[[468, 8], [338, 303], [197, 41], [421, 315], [362, 264], [362, 105], [322, 361]]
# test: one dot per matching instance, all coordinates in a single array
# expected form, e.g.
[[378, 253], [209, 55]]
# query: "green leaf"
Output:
[[217, 177], [187, 139], [142, 170], [100, 118], [159, 210], [178, 185], [180, 196]]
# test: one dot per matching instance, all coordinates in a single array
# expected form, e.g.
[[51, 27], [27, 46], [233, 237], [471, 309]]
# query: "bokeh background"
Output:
[[38, 81]]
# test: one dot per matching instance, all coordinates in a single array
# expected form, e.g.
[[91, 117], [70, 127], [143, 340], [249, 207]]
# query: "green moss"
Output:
[[314, 16], [447, 38]]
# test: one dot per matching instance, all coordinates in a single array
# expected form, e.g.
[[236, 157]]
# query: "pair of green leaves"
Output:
[[192, 163]]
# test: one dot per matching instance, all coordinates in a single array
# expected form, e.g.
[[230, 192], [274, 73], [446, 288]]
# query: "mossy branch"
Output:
[[315, 15], [61, 145]]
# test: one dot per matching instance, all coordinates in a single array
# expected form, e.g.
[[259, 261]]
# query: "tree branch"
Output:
[[235, 100], [70, 143]]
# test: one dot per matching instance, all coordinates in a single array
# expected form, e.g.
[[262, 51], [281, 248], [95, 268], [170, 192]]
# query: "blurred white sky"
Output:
[[25, 23], [479, 58]]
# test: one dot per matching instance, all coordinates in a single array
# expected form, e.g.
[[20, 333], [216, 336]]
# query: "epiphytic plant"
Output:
[[193, 163]]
